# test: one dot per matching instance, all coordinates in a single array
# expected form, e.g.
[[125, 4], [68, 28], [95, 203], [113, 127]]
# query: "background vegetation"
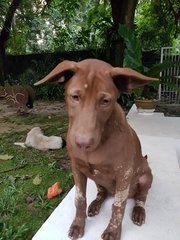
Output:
[[58, 25], [46, 26]]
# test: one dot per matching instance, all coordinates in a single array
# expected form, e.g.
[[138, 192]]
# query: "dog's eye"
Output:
[[104, 102], [75, 97]]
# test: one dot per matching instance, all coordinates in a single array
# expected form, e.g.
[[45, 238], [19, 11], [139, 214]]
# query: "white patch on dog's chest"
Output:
[[128, 173], [96, 172]]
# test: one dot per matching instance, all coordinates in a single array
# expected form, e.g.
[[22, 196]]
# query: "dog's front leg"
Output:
[[113, 230], [77, 227]]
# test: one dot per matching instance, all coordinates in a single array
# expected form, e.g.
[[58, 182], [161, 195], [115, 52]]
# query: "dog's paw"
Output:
[[108, 235], [94, 208], [138, 215], [76, 231]]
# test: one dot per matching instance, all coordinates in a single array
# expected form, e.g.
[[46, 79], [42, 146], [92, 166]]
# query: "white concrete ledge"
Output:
[[162, 207], [154, 124]]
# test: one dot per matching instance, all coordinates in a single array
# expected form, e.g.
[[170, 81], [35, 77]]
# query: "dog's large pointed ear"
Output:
[[60, 74], [127, 79]]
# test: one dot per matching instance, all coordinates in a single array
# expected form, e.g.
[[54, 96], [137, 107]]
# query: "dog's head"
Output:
[[91, 90], [34, 131], [32, 136]]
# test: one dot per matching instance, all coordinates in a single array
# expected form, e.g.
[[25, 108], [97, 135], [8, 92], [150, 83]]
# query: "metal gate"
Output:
[[168, 91]]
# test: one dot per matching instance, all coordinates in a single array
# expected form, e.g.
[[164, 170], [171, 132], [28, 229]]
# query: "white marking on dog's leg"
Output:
[[79, 196], [116, 220], [139, 203], [118, 208], [120, 197]]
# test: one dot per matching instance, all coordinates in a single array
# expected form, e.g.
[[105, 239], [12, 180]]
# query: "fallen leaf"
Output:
[[54, 190], [6, 157], [37, 180]]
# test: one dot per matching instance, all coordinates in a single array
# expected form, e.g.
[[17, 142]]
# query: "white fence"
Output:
[[169, 93]]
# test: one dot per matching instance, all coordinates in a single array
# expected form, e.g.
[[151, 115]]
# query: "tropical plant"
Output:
[[133, 54], [133, 59]]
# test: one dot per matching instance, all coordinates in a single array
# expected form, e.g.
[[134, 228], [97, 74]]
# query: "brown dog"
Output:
[[101, 144]]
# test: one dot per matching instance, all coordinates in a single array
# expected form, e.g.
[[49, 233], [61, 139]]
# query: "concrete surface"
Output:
[[154, 124], [160, 139]]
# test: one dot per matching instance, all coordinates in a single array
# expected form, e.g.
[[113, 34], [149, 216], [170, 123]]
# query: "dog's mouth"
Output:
[[88, 149]]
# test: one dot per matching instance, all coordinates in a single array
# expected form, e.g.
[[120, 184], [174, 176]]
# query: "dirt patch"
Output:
[[41, 108], [169, 110]]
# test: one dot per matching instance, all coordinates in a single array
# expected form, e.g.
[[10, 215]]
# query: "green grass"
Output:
[[23, 205]]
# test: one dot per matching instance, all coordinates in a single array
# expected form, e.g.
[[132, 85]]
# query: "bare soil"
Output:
[[41, 108]]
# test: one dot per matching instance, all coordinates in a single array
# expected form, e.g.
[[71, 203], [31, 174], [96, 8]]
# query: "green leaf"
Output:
[[171, 85], [133, 51], [37, 180], [156, 69], [12, 179], [6, 157]]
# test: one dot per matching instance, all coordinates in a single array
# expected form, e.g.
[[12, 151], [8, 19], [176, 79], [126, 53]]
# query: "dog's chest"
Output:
[[96, 171], [102, 175]]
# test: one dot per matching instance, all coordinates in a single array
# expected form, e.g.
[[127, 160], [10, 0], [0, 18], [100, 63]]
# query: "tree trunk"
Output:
[[2, 60], [123, 12], [4, 36]]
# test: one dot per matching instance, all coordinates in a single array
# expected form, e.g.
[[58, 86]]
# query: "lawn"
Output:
[[25, 178]]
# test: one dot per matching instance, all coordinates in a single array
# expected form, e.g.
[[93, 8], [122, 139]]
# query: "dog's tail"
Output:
[[21, 144]]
